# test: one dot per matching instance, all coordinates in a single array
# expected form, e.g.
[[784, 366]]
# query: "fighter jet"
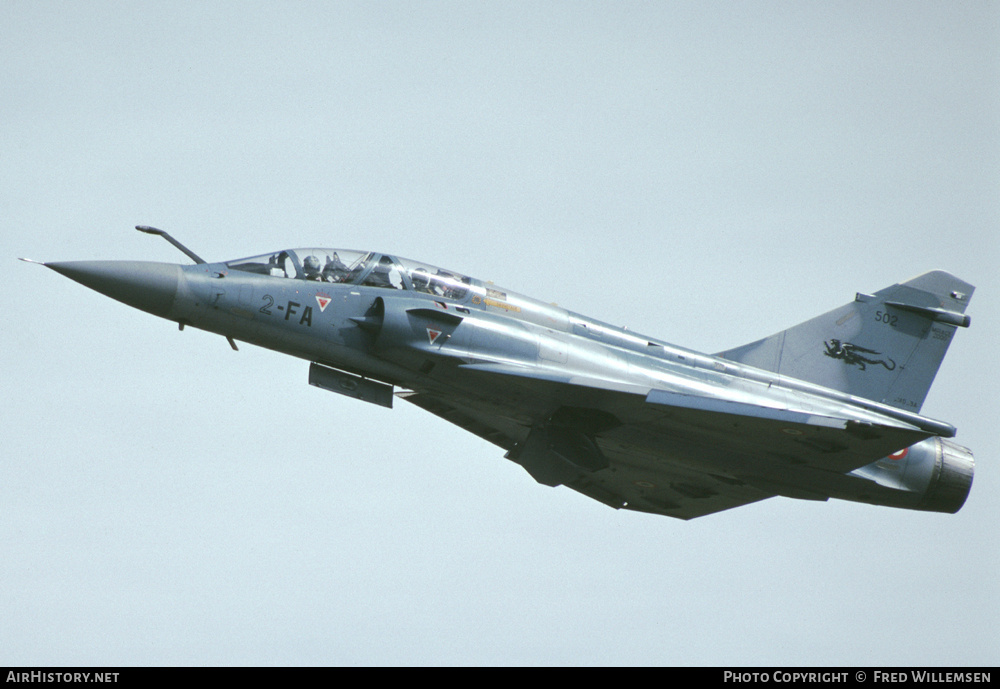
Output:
[[827, 409]]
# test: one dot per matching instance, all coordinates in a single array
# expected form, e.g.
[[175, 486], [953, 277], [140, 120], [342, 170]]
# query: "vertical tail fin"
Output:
[[885, 346]]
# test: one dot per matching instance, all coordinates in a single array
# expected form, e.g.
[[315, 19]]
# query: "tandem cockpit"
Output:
[[370, 269]]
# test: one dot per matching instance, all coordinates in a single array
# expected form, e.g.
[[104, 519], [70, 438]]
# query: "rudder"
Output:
[[885, 346]]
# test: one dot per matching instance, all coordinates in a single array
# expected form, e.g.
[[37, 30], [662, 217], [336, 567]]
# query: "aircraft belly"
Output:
[[677, 461], [644, 471]]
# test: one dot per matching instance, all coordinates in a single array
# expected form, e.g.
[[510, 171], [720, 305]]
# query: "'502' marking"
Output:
[[887, 318]]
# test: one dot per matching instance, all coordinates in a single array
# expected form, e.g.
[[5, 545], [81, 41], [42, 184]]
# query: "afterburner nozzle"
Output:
[[145, 285]]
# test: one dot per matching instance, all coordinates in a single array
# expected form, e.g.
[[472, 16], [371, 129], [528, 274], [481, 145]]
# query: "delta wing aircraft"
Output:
[[827, 409]]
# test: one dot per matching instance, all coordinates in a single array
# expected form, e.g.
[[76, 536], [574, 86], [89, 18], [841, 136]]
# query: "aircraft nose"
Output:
[[145, 285]]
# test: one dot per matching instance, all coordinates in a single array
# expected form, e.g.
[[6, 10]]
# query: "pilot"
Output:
[[443, 283], [452, 285], [310, 267]]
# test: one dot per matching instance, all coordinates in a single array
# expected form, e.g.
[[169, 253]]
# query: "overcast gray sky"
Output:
[[706, 173]]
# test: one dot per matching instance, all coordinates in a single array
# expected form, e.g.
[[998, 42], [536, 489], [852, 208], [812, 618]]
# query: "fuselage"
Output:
[[333, 322]]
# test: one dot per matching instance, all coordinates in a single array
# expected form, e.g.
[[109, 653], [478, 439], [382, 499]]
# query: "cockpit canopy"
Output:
[[356, 268]]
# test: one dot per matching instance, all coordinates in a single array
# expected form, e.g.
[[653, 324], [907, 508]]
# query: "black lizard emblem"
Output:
[[853, 355]]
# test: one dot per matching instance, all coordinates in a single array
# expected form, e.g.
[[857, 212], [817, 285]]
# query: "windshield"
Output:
[[357, 268]]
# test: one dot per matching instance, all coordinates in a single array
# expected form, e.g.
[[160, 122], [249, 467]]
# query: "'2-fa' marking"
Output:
[[307, 313], [290, 309]]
